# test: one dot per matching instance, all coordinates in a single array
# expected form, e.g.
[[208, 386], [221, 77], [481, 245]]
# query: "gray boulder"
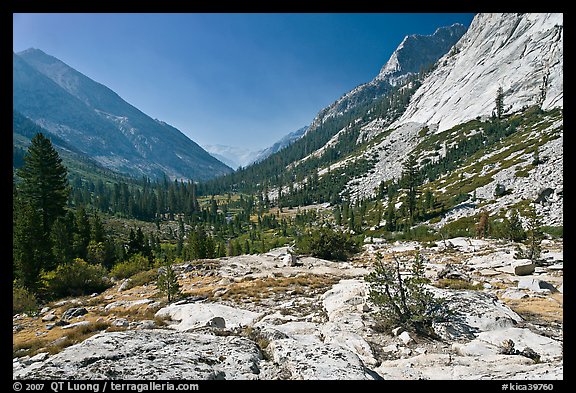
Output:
[[74, 312], [151, 355], [523, 267], [536, 285]]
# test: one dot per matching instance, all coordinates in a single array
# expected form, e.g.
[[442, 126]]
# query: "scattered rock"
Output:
[[195, 315], [453, 273], [76, 324], [515, 339], [523, 267], [544, 195], [318, 361], [121, 322], [146, 324], [49, 317], [405, 337], [216, 322], [536, 285], [124, 285], [397, 330], [475, 311], [513, 294], [327, 336], [74, 312]]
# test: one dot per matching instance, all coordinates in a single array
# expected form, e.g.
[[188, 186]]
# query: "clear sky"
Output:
[[238, 79]]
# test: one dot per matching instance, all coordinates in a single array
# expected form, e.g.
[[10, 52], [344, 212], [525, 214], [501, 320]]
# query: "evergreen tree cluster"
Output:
[[142, 199]]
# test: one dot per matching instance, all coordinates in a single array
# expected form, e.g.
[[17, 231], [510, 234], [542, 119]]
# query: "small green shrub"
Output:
[[23, 301], [465, 226], [455, 283], [75, 279], [405, 302], [327, 244], [556, 232], [142, 278], [135, 264]]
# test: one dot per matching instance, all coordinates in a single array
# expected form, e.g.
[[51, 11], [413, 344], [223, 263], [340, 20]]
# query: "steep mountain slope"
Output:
[[454, 105], [95, 120], [464, 85], [521, 53], [77, 163], [446, 117]]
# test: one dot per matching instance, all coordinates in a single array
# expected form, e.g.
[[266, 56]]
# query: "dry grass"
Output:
[[264, 287], [547, 309], [29, 344]]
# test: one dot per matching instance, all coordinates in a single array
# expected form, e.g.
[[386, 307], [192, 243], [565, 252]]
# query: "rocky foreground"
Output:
[[274, 316]]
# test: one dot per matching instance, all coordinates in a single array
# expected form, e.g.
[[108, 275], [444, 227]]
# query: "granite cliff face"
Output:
[[521, 53]]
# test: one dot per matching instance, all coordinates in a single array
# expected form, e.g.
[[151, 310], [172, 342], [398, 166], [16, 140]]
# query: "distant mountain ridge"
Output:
[[236, 157], [99, 123]]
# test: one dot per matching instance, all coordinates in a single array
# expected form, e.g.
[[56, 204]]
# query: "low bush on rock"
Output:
[[405, 301]]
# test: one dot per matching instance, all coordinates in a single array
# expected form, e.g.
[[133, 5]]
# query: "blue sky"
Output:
[[238, 79]]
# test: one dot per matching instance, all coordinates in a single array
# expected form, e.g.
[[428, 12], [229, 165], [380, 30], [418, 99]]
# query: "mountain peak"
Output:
[[417, 51]]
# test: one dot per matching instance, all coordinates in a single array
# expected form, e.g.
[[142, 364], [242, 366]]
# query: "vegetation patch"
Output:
[[455, 283]]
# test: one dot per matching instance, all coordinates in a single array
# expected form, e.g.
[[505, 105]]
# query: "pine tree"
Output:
[[82, 233], [26, 253], [41, 198], [534, 233], [411, 179], [168, 282], [61, 237], [391, 217], [513, 229], [405, 301], [499, 102], [44, 181]]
